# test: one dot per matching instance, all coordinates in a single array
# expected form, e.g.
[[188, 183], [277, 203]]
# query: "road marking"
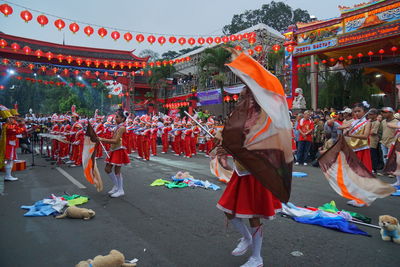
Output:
[[69, 177]]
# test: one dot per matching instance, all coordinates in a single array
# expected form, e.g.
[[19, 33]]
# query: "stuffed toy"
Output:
[[77, 213], [390, 229], [114, 259]]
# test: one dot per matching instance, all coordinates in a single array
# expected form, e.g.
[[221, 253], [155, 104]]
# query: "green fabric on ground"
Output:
[[176, 185], [331, 207], [160, 182], [77, 201]]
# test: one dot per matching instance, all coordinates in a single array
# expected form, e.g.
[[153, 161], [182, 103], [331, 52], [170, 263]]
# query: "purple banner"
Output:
[[210, 97]]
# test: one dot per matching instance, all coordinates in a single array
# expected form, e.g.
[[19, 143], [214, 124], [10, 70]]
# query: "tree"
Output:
[[158, 80], [277, 15], [170, 54], [187, 50], [149, 53]]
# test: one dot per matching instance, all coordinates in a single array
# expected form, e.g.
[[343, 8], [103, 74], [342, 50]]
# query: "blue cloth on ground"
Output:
[[397, 193], [39, 209], [336, 223], [299, 174]]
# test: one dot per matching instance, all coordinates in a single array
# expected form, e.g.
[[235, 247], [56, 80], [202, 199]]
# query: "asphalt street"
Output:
[[175, 227]]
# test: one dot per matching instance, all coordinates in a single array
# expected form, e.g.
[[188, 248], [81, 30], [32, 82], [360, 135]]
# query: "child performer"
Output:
[[118, 155]]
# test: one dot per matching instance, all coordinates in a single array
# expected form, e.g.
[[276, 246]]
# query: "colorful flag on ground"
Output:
[[259, 130], [348, 176], [89, 164]]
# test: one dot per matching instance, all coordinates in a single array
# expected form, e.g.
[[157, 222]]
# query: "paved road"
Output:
[[181, 227]]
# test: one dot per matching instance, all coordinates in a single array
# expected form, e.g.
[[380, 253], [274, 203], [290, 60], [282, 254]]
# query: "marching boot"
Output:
[[8, 169], [120, 192], [245, 241], [114, 180], [255, 259]]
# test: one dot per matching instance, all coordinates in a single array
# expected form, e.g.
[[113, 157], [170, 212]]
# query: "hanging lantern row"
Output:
[[176, 105], [229, 98], [44, 69], [381, 53], [89, 61], [60, 24]]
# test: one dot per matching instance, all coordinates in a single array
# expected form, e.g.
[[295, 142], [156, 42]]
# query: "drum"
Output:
[[19, 165]]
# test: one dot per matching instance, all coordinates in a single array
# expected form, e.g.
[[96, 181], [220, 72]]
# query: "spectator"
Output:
[[305, 127], [388, 134], [318, 136], [374, 139], [332, 127]]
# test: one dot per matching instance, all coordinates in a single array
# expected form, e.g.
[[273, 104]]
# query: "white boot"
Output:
[[398, 181], [8, 169], [255, 259], [245, 241], [120, 192], [114, 180]]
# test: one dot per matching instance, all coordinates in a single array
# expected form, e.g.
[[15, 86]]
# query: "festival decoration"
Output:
[[42, 20], [393, 49], [74, 27], [182, 41], [161, 40], [258, 48], [191, 41], [172, 40], [6, 9], [217, 40], [139, 38], [102, 32], [201, 40], [49, 55], [151, 39], [209, 40], [250, 52], [15, 46], [3, 43], [60, 57], [38, 53], [26, 15], [115, 35], [290, 48], [128, 36], [276, 48], [27, 50], [88, 30], [60, 24]]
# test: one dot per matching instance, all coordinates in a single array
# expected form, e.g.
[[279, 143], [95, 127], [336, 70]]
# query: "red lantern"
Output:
[[121, 65], [232, 38], [316, 63], [332, 60], [128, 36], [393, 49], [109, 96], [182, 41], [225, 39], [106, 63], [15, 46], [60, 24], [38, 53], [115, 35], [276, 48], [139, 38], [97, 73], [65, 71], [124, 73], [55, 70], [370, 54], [102, 32], [115, 74], [3, 43], [191, 41], [6, 9], [238, 48], [26, 15], [308, 64], [18, 64], [79, 61], [217, 40], [209, 40], [76, 72], [144, 64], [359, 55], [349, 57], [43, 68], [137, 64], [133, 73], [142, 72], [201, 40], [252, 40], [149, 72], [151, 39], [42, 20], [74, 27], [250, 51], [87, 73], [151, 64], [31, 66], [290, 48], [27, 50], [88, 30], [258, 48], [298, 66], [171, 62], [187, 59], [5, 61], [97, 63], [49, 55], [246, 35], [88, 62], [105, 74], [381, 52], [239, 37], [341, 58], [158, 63], [172, 39], [69, 59], [161, 40], [227, 98], [235, 97], [324, 61], [113, 64], [303, 65]]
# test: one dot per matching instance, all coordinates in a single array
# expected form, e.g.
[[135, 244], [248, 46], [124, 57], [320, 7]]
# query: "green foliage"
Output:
[[212, 63], [187, 50], [277, 15], [170, 54], [50, 98]]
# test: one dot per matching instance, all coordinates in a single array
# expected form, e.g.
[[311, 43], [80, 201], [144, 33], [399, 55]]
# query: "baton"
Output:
[[198, 124]]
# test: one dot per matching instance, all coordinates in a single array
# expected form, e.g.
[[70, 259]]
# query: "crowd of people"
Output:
[[371, 133]]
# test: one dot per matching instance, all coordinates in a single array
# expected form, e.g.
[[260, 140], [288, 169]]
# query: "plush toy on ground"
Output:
[[77, 213], [390, 229], [114, 259]]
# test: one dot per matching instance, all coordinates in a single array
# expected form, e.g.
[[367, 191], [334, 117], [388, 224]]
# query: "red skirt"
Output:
[[11, 152], [365, 157], [118, 157], [246, 197]]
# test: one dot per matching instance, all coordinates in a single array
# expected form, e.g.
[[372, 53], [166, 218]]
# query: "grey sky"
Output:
[[201, 17]]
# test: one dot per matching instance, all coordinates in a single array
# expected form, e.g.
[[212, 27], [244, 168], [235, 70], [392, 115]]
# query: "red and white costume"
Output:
[[11, 130], [118, 156]]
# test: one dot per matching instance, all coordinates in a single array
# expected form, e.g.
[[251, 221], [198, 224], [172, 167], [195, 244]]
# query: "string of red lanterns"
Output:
[[74, 27], [89, 61], [176, 105], [381, 53], [229, 98]]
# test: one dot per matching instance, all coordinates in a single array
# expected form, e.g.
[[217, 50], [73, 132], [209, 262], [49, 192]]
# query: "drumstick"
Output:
[[198, 124]]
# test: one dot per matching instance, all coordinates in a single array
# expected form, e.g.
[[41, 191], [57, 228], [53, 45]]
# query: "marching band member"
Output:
[[154, 135], [165, 136], [146, 136], [100, 130], [194, 139], [187, 138]]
